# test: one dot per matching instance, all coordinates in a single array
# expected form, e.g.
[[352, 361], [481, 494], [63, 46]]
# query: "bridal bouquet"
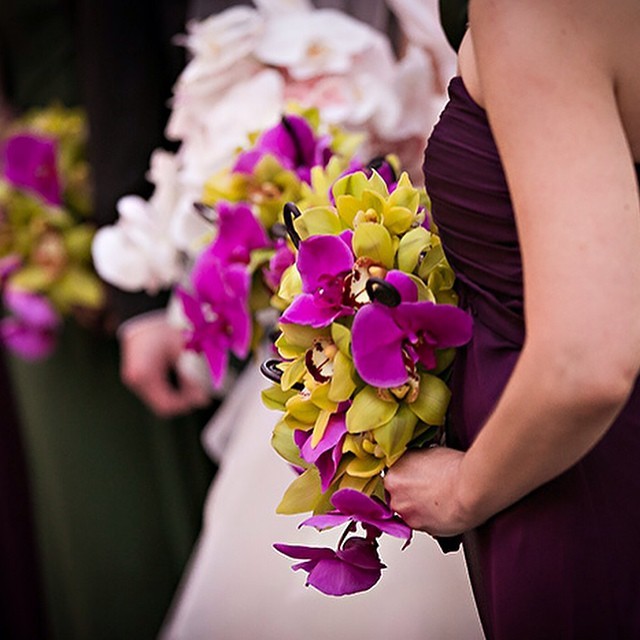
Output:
[[368, 331], [45, 235]]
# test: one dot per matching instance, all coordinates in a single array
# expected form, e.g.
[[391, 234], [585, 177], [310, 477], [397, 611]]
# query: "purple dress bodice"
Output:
[[563, 562]]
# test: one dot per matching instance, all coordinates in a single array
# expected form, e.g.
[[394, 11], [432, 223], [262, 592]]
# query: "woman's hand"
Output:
[[425, 491]]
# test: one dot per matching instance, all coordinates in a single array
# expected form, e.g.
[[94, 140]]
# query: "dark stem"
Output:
[[383, 292], [269, 369], [290, 213]]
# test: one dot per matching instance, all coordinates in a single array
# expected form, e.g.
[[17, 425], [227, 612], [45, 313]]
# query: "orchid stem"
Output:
[[383, 292], [290, 213]]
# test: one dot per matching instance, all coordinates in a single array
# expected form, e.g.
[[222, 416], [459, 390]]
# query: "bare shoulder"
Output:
[[545, 47]]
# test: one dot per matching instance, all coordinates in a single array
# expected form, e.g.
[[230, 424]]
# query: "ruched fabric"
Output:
[[562, 562]]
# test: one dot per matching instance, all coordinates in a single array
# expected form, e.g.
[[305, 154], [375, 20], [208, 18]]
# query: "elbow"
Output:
[[605, 390], [591, 381]]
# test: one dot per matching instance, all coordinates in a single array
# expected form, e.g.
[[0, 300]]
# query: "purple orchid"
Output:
[[29, 162], [385, 339], [32, 328], [323, 262], [353, 568], [326, 455], [239, 233], [354, 506], [9, 264], [219, 313], [385, 170], [293, 143], [282, 259]]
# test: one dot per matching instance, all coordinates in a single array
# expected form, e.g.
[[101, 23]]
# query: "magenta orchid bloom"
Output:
[[8, 264], [281, 260], [293, 143], [29, 162], [354, 506], [326, 455], [384, 337], [323, 263], [219, 313], [353, 568], [239, 233], [32, 328]]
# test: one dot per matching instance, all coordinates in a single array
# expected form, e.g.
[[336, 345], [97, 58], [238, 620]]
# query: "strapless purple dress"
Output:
[[563, 562]]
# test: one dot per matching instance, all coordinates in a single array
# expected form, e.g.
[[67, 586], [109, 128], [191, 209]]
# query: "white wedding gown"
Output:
[[239, 588]]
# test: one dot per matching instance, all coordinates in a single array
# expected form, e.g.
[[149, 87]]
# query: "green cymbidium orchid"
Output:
[[266, 189], [367, 200]]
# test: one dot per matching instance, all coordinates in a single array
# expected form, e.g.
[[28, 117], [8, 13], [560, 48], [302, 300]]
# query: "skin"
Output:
[[559, 81], [150, 349]]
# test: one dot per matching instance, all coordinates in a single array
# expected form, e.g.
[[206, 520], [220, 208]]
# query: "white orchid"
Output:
[[315, 43], [137, 253]]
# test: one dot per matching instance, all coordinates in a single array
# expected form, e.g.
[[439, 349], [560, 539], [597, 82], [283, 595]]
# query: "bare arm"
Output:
[[549, 90]]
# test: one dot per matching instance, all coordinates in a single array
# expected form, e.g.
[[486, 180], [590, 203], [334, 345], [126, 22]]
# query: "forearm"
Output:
[[543, 424]]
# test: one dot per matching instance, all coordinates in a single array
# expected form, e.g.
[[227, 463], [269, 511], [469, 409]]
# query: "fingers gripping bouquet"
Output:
[[368, 331]]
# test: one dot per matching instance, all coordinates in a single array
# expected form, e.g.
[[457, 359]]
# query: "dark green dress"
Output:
[[117, 493]]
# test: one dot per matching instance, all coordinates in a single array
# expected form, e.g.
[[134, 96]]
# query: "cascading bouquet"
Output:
[[45, 235], [368, 331]]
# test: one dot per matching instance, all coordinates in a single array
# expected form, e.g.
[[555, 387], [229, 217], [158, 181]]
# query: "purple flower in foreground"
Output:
[[353, 568], [282, 259], [326, 455], [32, 328], [219, 313], [293, 143], [30, 162], [355, 506], [323, 263], [385, 339], [239, 233]]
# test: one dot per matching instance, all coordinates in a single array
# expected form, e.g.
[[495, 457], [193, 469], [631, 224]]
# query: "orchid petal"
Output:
[[301, 552], [321, 256], [337, 578], [30, 162], [28, 342], [302, 495], [304, 310], [372, 240], [412, 245], [32, 309], [326, 521], [360, 553], [432, 401], [377, 338], [368, 411], [405, 286], [335, 430], [448, 325]]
